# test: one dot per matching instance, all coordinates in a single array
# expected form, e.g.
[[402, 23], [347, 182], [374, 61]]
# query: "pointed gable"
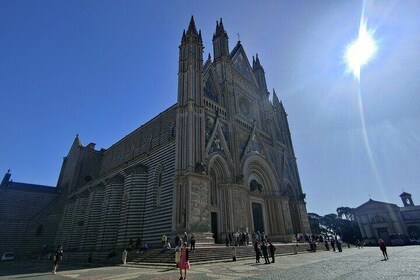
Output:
[[254, 145], [241, 63], [218, 141], [210, 86], [372, 204]]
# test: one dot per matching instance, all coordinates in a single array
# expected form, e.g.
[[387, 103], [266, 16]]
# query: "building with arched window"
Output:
[[378, 219]]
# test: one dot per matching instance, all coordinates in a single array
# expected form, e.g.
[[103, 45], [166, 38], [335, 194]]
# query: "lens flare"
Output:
[[360, 51]]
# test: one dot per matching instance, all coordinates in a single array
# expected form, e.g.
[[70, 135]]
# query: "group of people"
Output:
[[335, 242], [166, 243], [266, 249], [262, 246], [237, 238]]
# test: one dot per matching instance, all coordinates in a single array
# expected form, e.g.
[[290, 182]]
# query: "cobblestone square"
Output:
[[352, 263]]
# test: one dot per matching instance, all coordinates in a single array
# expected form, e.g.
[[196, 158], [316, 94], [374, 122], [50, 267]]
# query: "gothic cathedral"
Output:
[[220, 159]]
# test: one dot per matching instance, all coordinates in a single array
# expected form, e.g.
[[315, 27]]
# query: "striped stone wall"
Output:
[[18, 206], [135, 202]]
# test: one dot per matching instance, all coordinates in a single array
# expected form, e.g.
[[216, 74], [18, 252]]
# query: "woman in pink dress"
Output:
[[184, 263]]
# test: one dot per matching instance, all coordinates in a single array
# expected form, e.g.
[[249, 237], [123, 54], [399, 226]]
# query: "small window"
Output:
[[158, 190], [378, 219], [39, 230]]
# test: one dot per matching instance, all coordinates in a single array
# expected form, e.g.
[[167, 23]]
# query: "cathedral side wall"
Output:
[[17, 207], [134, 206], [150, 136]]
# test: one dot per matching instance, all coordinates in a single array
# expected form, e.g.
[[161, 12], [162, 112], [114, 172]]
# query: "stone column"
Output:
[[289, 233], [236, 209], [133, 206], [78, 220], [303, 217], [240, 207], [92, 218], [276, 225], [191, 203], [110, 213], [65, 228]]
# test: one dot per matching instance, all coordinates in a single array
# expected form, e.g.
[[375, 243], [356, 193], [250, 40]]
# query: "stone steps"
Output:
[[212, 253]]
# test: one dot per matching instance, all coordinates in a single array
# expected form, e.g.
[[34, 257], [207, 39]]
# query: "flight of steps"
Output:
[[212, 253]]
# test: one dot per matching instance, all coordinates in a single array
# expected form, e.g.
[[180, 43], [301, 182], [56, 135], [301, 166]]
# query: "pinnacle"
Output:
[[275, 98], [191, 27], [220, 30]]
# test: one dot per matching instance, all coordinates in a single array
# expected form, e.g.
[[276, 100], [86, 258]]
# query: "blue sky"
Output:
[[100, 69]]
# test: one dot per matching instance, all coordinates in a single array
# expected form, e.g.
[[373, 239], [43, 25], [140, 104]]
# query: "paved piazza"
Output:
[[403, 263]]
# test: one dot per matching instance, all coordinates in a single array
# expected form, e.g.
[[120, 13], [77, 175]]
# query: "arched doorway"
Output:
[[413, 232], [218, 172]]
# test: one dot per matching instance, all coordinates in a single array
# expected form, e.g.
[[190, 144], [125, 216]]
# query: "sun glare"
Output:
[[359, 52]]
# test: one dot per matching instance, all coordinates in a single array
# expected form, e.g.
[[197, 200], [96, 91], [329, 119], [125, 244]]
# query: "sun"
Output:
[[360, 51]]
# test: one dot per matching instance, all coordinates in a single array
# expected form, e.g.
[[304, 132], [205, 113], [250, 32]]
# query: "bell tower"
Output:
[[191, 205], [406, 199]]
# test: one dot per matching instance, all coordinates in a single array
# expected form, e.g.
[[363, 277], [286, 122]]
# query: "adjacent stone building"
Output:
[[220, 159], [384, 220]]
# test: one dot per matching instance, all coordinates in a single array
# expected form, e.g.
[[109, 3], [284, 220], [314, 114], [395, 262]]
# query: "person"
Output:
[[124, 256], [333, 244], [327, 246], [130, 245], [338, 241], [186, 237], [272, 250], [382, 246], [257, 252], [227, 239], [184, 263], [177, 240], [177, 255], [58, 257], [138, 243], [164, 240], [265, 252], [192, 241]]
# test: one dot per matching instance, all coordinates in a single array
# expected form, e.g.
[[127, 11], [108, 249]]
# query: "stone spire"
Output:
[[220, 41], [6, 179], [191, 27], [259, 73], [191, 33], [276, 101]]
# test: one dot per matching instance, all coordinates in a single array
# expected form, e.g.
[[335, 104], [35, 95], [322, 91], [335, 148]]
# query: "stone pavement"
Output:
[[352, 263]]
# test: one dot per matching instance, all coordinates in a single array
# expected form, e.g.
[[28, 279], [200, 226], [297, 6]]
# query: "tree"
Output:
[[347, 212], [314, 223], [333, 224]]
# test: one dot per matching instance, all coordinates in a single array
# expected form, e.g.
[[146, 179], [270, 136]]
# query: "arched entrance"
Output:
[[413, 232], [218, 172], [257, 216]]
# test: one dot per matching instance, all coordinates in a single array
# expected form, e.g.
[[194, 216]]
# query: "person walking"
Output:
[[264, 250], [192, 241], [272, 249], [327, 246], [333, 244], [184, 263], [58, 257], [257, 252], [382, 246]]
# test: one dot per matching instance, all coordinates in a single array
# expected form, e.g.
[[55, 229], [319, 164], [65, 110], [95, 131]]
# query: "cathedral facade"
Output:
[[220, 159]]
